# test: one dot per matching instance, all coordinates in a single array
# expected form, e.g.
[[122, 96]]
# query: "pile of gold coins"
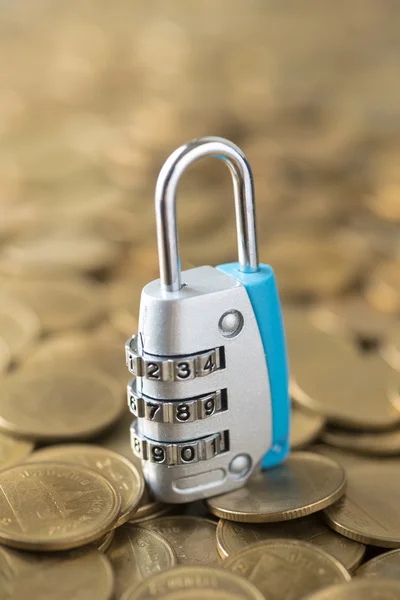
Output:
[[97, 97]]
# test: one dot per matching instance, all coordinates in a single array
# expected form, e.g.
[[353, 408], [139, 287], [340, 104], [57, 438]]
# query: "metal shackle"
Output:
[[165, 202]]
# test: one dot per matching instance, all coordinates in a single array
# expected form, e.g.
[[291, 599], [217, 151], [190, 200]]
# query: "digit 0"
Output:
[[187, 453]]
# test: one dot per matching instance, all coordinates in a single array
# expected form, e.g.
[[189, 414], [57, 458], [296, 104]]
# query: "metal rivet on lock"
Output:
[[240, 465], [210, 403], [231, 323]]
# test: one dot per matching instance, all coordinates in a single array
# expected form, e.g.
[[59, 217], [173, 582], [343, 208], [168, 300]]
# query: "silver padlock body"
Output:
[[187, 323]]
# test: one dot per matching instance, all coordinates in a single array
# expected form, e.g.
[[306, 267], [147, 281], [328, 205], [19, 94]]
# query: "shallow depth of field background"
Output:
[[94, 95]]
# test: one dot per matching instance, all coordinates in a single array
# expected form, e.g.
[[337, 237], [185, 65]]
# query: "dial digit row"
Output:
[[187, 452], [177, 368], [175, 411]]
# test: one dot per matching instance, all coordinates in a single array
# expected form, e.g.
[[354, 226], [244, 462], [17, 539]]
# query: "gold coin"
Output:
[[125, 318], [123, 301], [19, 327], [385, 566], [65, 404], [233, 537], [305, 427], [360, 590], [57, 251], [57, 349], [150, 509], [103, 543], [368, 512], [117, 438], [136, 554], [391, 350], [381, 443], [353, 317], [287, 569], [193, 539], [333, 263], [5, 355], [302, 485], [345, 459], [13, 450], [194, 583], [59, 304], [383, 288], [55, 506], [77, 350], [352, 389], [119, 471], [384, 203], [65, 575]]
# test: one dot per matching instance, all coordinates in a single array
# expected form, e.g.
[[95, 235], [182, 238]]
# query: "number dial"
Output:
[[179, 454], [182, 411], [179, 368]]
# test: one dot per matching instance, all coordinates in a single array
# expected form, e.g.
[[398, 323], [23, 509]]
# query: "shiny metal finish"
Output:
[[189, 430], [166, 187]]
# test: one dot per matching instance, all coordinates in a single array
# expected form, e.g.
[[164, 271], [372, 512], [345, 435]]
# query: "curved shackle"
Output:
[[171, 172]]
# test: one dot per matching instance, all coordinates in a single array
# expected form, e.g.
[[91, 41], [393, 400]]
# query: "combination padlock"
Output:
[[210, 391]]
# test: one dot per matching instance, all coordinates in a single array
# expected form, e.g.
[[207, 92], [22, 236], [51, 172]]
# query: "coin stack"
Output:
[[98, 96]]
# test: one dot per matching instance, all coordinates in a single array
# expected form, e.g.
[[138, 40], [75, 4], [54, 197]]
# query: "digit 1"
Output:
[[214, 445]]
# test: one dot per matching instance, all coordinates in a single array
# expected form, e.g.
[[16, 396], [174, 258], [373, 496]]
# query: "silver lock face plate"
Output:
[[201, 394]]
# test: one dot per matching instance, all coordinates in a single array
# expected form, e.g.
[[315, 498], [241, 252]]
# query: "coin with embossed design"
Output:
[[55, 506], [302, 485], [369, 512], [59, 405], [360, 590], [121, 473], [287, 569], [137, 554], [234, 537], [195, 583], [192, 538], [62, 576]]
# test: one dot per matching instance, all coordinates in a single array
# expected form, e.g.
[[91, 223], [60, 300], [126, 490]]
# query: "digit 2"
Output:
[[153, 371]]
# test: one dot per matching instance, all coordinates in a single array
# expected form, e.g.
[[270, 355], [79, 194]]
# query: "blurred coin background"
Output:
[[94, 96]]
